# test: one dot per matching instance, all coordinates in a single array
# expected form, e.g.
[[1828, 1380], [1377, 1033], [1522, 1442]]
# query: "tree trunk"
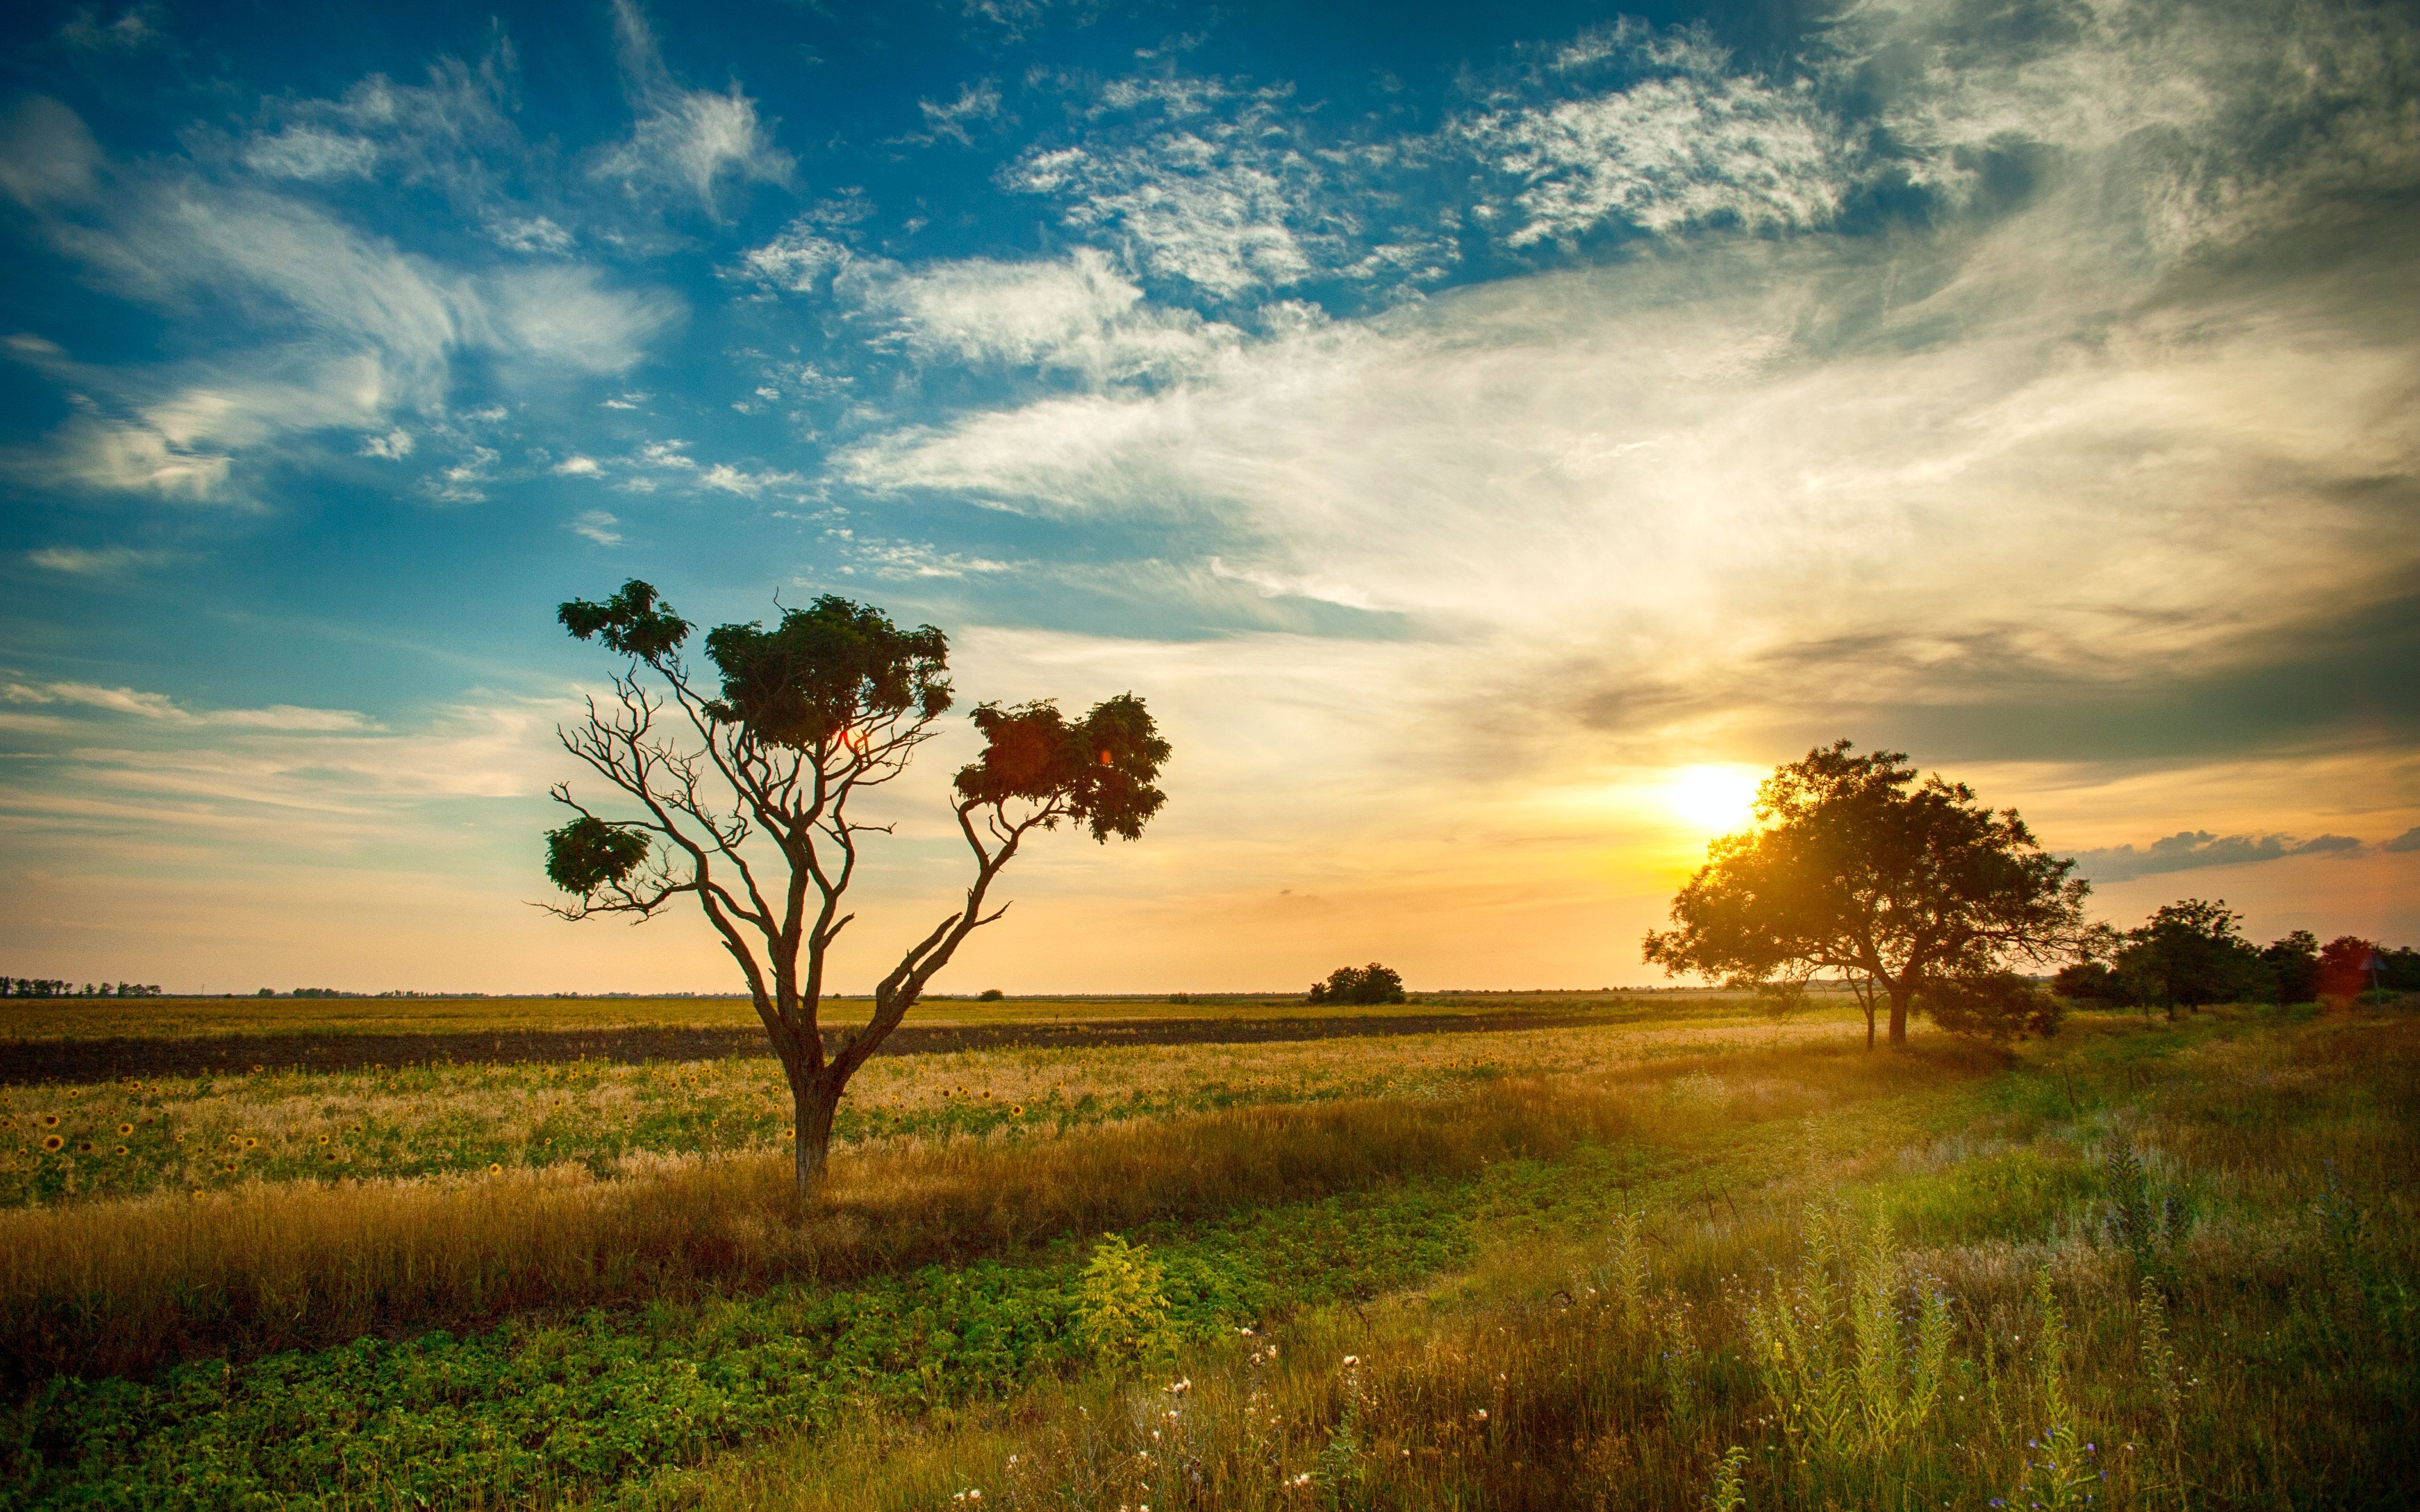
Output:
[[1899, 999], [815, 1100]]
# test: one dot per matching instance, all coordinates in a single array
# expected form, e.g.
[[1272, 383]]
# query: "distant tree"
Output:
[[2347, 967], [2189, 953], [990, 995], [2088, 981], [1372, 983], [1857, 869], [2292, 967], [743, 788]]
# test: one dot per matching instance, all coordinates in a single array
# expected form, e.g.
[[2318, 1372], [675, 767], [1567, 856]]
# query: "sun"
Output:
[[1717, 799]]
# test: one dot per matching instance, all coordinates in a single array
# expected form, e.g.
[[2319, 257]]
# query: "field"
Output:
[[1658, 1252]]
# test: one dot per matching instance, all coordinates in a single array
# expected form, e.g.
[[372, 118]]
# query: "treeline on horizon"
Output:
[[2193, 952], [56, 987]]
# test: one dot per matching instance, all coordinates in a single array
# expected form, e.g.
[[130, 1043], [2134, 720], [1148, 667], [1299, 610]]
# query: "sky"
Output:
[[1488, 436]]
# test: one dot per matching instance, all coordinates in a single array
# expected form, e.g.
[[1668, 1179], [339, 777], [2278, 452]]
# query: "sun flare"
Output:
[[1717, 799]]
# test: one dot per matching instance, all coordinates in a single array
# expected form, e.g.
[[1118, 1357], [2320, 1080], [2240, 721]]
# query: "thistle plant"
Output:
[[2159, 1365], [1680, 1362], [1730, 1494], [1853, 1376], [1630, 1270], [2058, 1472]]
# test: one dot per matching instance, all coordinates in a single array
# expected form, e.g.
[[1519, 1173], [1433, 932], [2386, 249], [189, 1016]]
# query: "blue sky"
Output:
[[1470, 427]]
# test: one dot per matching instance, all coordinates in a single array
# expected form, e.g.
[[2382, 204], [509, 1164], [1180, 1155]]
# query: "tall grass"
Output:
[[123, 1288], [1861, 1353]]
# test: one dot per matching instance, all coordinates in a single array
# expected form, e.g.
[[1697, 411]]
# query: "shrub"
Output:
[[1998, 1006], [1122, 1305], [990, 995]]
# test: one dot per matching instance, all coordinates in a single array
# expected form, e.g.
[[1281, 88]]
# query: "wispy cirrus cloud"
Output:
[[687, 141]]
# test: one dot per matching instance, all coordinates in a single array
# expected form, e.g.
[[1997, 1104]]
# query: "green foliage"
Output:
[[2060, 1470], [1122, 1310], [2189, 953], [635, 622], [825, 671], [1854, 868], [2291, 967], [1372, 983], [2088, 981], [1997, 1006], [1730, 1494], [1098, 771], [588, 853], [1852, 1383]]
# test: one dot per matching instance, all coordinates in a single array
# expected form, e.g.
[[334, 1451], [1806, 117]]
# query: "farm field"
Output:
[[1711, 1259], [174, 1018]]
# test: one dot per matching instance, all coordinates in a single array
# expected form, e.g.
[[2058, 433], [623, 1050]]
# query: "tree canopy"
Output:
[[742, 793], [1857, 869]]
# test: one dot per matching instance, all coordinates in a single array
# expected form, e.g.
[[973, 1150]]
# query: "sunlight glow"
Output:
[[1717, 799]]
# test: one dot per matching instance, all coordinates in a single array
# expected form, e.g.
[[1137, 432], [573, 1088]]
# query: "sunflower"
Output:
[[1018, 1111], [125, 1129], [250, 1143], [495, 1167], [121, 1150], [228, 1170], [789, 1134], [323, 1139], [52, 1143], [256, 1070], [50, 1120]]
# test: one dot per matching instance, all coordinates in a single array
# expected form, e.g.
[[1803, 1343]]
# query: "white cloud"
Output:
[[136, 28], [597, 525], [1698, 145], [311, 153], [1079, 315], [159, 708], [463, 482], [688, 139], [799, 258], [93, 562], [566, 315], [394, 445], [977, 102], [729, 479], [577, 466], [530, 234], [1226, 199]]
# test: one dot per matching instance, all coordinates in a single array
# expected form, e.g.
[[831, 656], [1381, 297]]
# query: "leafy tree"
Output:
[[2189, 953], [2347, 966], [2292, 967], [1857, 869], [1372, 983], [2088, 981], [743, 788]]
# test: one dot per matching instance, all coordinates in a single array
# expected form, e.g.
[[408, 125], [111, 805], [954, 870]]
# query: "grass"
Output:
[[181, 1134], [1947, 1317], [175, 1018], [1719, 1264]]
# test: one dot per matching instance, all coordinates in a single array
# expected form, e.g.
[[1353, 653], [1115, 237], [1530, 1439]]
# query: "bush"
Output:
[[990, 995], [1998, 1006], [2088, 981], [1372, 983]]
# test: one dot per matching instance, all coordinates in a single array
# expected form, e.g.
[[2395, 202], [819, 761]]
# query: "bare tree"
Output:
[[744, 802]]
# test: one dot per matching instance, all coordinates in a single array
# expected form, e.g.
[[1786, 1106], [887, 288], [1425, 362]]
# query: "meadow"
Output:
[[1688, 1256]]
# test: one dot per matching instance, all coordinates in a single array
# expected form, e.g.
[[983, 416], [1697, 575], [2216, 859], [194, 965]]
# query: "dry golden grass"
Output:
[[226, 1132], [2274, 1372], [123, 1287]]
